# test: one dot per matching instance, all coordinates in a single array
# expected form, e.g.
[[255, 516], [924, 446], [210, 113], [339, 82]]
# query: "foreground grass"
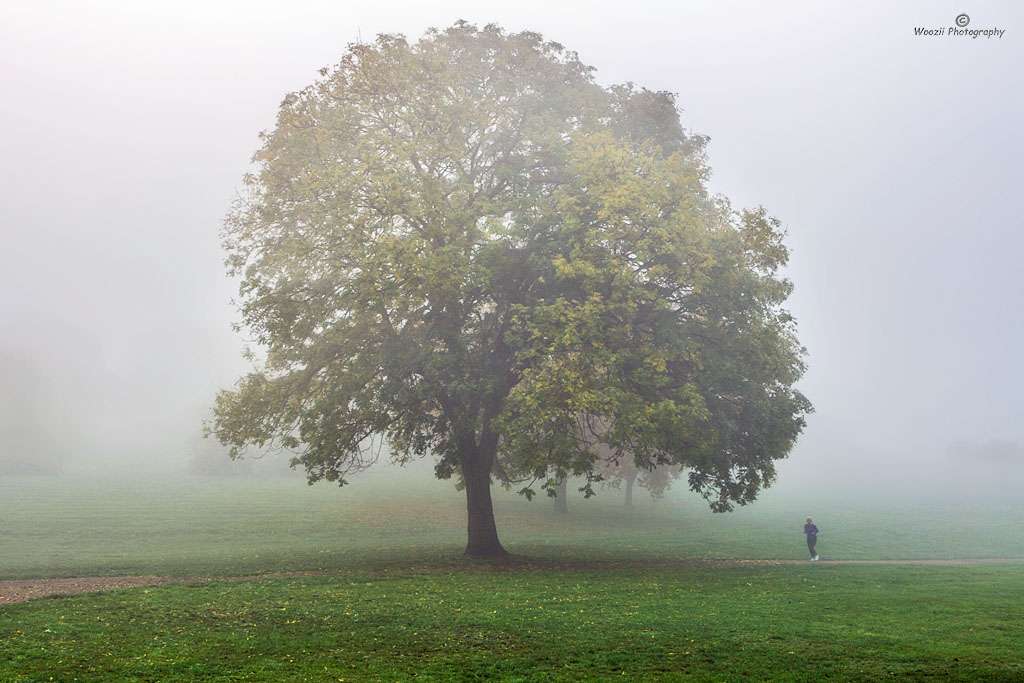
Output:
[[801, 623], [222, 527], [409, 605]]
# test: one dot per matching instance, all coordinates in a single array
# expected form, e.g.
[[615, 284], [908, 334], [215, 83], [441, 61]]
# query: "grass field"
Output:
[[593, 605], [223, 527], [807, 623]]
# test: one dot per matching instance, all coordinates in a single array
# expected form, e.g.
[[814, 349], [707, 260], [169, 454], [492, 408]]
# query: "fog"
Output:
[[892, 159]]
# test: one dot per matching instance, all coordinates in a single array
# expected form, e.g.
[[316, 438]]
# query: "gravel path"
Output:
[[29, 589]]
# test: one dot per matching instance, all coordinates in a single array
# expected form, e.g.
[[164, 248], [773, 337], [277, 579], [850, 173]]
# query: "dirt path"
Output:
[[29, 589]]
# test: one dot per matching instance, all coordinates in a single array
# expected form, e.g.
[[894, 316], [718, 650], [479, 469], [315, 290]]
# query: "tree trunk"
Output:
[[483, 534], [561, 501], [629, 492]]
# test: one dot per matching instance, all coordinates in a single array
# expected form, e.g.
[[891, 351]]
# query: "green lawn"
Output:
[[222, 527], [803, 623], [590, 603]]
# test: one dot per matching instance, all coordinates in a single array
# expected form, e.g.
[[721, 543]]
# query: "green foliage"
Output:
[[806, 623], [465, 247]]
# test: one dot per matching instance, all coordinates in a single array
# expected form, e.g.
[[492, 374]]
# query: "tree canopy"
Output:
[[464, 247]]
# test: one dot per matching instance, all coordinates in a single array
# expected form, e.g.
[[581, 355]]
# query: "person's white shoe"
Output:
[[815, 558]]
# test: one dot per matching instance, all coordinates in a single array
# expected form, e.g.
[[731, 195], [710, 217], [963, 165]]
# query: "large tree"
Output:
[[464, 246]]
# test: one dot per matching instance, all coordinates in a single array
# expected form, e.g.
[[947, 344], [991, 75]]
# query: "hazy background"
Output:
[[893, 160]]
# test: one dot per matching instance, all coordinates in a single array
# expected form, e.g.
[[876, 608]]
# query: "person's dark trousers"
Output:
[[811, 540]]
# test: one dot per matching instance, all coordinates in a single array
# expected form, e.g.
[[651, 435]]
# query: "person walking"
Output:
[[811, 531]]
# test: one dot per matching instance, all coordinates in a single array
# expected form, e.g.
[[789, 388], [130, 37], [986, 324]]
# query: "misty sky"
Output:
[[893, 160]]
